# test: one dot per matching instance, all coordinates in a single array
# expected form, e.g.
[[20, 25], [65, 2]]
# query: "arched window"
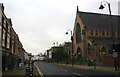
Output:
[[78, 33], [88, 48], [103, 50], [91, 32], [79, 52]]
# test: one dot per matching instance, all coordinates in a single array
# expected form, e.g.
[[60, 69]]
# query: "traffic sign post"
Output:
[[115, 54]]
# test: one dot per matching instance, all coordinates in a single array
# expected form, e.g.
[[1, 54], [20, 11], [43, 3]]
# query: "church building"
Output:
[[95, 37]]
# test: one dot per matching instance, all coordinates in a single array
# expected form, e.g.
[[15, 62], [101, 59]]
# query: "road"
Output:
[[53, 69]]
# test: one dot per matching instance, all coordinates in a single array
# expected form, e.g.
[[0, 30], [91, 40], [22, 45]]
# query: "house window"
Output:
[[4, 24], [0, 19], [3, 38], [9, 29], [116, 33], [8, 41], [103, 33], [13, 46]]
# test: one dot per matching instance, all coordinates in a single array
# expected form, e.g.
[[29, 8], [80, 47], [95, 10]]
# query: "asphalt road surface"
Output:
[[57, 70]]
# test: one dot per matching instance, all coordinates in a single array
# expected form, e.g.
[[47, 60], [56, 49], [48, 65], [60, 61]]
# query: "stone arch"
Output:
[[78, 33], [79, 52]]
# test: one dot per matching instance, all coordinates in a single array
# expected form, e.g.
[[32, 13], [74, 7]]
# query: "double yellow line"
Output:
[[41, 74]]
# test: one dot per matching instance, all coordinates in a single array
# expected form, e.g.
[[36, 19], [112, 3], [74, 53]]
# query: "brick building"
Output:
[[10, 45], [93, 38]]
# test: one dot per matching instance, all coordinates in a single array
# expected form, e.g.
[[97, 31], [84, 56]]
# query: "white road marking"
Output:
[[63, 70], [77, 73]]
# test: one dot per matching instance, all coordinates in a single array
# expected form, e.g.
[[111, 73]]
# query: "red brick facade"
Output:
[[109, 60], [92, 40], [10, 39]]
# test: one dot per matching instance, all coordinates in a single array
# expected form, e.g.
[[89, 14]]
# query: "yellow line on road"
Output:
[[41, 74]]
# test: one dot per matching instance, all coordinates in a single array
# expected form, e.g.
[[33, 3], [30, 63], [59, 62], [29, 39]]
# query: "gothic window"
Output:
[[91, 32], [96, 33], [78, 33]]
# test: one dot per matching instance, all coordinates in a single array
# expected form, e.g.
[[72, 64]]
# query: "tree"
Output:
[[61, 55]]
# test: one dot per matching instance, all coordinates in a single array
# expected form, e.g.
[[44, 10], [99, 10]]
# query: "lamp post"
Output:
[[72, 45], [112, 34]]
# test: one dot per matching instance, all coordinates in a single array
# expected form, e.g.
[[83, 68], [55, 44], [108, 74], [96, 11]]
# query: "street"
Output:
[[53, 69]]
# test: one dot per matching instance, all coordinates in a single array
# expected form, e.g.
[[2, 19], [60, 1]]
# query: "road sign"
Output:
[[115, 54], [110, 51]]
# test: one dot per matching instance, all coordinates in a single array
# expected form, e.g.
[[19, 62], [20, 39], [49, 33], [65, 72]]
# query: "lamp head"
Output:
[[66, 32], [101, 7]]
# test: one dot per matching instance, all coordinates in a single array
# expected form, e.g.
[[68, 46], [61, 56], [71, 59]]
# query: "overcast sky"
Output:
[[40, 23]]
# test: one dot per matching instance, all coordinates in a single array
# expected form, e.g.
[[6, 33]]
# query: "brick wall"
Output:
[[109, 60]]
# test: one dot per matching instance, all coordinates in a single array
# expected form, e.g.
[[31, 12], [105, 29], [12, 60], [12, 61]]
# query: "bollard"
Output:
[[27, 70], [94, 64]]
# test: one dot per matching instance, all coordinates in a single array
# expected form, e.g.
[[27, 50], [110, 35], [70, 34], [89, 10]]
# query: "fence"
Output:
[[9, 60]]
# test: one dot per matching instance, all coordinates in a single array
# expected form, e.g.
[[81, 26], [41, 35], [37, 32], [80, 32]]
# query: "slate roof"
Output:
[[100, 21], [104, 40]]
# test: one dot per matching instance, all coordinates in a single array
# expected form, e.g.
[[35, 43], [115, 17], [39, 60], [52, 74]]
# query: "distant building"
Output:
[[49, 54], [93, 36], [53, 50], [68, 47], [40, 54]]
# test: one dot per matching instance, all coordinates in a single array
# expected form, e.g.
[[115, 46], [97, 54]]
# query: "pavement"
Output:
[[110, 70], [19, 72]]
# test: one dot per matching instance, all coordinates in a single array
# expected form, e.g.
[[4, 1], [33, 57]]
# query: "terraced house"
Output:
[[10, 45], [93, 37]]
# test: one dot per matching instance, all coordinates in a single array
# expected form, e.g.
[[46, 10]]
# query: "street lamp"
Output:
[[72, 45], [56, 43], [102, 7]]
